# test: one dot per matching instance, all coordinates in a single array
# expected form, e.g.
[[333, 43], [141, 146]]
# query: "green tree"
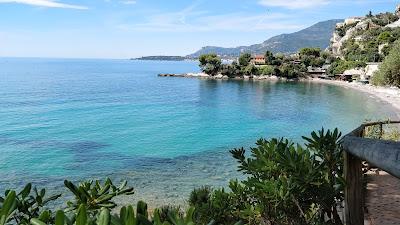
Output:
[[389, 71], [231, 70], [269, 57], [244, 59], [267, 70], [316, 52], [250, 69], [290, 71], [210, 64]]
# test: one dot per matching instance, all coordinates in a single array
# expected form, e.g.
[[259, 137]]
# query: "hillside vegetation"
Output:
[[279, 65], [373, 38]]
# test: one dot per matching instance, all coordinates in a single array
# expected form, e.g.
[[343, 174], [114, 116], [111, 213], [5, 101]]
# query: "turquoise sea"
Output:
[[78, 119]]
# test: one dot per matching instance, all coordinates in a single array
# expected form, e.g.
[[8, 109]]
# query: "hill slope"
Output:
[[317, 35]]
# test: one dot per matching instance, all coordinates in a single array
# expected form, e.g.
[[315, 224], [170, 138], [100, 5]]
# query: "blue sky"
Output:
[[133, 28]]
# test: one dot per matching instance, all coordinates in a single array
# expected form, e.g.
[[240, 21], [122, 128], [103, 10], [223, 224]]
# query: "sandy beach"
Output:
[[390, 95]]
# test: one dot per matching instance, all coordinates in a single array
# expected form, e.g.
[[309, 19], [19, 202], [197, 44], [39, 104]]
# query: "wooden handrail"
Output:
[[382, 154]]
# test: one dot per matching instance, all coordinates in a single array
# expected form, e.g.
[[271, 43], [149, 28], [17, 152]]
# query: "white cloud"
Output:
[[294, 4], [128, 2], [45, 3], [191, 20], [200, 21]]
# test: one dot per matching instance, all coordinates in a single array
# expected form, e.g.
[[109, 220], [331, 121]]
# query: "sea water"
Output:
[[79, 119]]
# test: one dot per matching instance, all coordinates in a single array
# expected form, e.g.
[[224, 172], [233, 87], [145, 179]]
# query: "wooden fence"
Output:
[[382, 154]]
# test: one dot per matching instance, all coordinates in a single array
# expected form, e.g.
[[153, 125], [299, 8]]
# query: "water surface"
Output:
[[78, 119]]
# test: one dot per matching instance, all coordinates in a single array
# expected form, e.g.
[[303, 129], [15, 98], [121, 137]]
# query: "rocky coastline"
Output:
[[222, 77]]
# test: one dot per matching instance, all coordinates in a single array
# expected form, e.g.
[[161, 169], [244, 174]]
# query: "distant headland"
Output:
[[162, 58]]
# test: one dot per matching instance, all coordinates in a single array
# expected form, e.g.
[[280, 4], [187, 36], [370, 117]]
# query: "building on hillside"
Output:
[[370, 69], [352, 74], [258, 59], [353, 20], [316, 72], [359, 38], [296, 62], [362, 74], [319, 72]]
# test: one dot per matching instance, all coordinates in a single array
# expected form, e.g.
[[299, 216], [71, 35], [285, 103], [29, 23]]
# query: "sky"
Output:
[[134, 28]]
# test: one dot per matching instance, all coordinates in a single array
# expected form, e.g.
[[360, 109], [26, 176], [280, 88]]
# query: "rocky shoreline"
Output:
[[222, 77]]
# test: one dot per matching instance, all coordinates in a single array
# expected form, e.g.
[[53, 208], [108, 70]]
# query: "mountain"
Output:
[[318, 35]]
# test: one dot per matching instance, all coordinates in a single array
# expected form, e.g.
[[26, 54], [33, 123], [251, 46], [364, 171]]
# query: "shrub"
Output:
[[167, 210], [29, 204], [250, 69], [92, 205], [384, 37], [285, 184], [126, 216], [216, 205], [267, 70], [95, 195], [290, 71], [389, 70]]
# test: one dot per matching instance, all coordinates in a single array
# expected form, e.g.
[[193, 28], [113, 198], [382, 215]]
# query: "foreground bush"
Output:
[[286, 184], [91, 205]]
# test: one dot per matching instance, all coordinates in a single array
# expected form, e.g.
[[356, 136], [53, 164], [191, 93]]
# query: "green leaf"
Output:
[[45, 216], [25, 192], [9, 205], [104, 217], [143, 220], [104, 189], [35, 221], [81, 217], [60, 217], [130, 216]]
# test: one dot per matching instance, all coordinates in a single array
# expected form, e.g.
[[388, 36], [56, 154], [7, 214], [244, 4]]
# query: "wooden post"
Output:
[[353, 193]]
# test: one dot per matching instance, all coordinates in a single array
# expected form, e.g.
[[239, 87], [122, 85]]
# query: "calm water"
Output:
[[80, 119]]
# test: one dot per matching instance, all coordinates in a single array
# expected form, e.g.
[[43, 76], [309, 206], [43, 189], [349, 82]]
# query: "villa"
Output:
[[319, 72], [316, 72], [258, 59], [353, 20]]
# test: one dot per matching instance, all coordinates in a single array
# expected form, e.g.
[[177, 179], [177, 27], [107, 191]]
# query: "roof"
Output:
[[353, 72], [258, 56]]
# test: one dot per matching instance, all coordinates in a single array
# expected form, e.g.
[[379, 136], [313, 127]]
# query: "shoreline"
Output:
[[389, 95]]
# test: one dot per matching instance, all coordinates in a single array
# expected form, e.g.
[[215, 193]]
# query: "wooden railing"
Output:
[[382, 154]]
